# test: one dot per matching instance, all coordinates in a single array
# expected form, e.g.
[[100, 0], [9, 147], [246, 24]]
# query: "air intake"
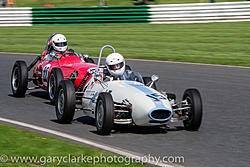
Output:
[[160, 115]]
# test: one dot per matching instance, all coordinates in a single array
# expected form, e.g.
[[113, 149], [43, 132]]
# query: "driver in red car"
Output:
[[58, 48]]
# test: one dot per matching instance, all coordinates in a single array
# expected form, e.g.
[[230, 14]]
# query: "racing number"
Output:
[[45, 74]]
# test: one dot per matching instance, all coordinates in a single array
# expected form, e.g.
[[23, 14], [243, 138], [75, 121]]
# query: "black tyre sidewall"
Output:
[[22, 77], [194, 123], [108, 118], [57, 72], [69, 102]]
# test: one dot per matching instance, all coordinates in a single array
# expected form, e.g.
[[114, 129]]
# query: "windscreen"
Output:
[[133, 76]]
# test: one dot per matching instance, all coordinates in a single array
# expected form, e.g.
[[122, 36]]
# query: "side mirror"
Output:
[[155, 78]]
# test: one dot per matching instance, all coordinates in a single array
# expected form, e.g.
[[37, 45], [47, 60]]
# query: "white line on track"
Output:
[[157, 61], [119, 151]]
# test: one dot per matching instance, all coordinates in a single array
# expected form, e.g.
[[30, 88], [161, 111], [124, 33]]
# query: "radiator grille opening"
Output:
[[160, 114]]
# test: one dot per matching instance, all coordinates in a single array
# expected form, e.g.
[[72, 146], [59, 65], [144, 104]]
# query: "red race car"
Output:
[[49, 69]]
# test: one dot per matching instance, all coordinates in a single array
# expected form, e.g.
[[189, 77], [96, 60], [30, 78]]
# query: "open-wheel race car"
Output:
[[48, 70], [132, 101]]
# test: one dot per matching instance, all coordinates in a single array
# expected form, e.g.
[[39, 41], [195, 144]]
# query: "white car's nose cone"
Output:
[[148, 105]]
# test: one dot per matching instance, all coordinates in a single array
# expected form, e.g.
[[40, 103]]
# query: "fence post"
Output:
[[3, 3]]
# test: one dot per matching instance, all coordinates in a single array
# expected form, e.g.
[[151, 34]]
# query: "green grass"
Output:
[[15, 142], [216, 43], [39, 3]]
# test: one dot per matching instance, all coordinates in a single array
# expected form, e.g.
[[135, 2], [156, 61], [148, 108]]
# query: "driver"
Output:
[[117, 69], [115, 64], [59, 43], [58, 47]]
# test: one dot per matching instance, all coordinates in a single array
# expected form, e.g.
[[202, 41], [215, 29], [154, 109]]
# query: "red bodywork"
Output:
[[67, 64]]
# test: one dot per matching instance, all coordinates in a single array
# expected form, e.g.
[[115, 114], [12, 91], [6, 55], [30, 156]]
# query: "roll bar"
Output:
[[100, 55], [50, 37]]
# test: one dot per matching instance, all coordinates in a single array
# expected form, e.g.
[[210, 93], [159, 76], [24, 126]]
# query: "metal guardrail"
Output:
[[200, 13], [15, 16], [155, 14]]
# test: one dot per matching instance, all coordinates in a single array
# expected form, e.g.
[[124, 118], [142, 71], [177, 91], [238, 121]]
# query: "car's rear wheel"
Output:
[[148, 80], [193, 99], [104, 114], [56, 76], [19, 79], [65, 102]]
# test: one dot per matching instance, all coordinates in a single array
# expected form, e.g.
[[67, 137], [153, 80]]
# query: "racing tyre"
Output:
[[55, 77], [104, 114], [65, 102], [90, 60], [19, 79], [147, 80], [195, 112]]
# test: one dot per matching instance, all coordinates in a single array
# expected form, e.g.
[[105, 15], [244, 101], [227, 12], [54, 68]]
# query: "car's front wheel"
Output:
[[194, 113], [65, 102], [55, 77], [104, 114], [19, 79]]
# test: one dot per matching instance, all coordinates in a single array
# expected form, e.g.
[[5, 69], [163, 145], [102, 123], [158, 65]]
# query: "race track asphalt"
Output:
[[224, 136]]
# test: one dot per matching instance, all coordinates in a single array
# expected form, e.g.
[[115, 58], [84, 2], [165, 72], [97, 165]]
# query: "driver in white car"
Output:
[[118, 70], [115, 64]]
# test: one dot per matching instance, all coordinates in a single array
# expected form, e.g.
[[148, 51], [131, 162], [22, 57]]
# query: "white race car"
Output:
[[133, 100]]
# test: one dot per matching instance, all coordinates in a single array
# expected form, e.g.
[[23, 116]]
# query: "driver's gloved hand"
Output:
[[53, 54]]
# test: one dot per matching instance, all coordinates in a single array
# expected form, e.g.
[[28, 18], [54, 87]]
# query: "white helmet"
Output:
[[59, 42], [115, 64]]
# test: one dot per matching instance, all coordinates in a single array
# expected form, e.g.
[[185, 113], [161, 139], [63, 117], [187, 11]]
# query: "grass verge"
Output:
[[215, 43], [19, 143], [58, 3]]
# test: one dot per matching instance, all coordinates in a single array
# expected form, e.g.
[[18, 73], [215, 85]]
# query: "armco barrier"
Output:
[[200, 13], [15, 16], [155, 14]]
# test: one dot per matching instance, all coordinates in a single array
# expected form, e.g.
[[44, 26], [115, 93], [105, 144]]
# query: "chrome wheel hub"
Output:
[[100, 114], [15, 80], [60, 103]]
